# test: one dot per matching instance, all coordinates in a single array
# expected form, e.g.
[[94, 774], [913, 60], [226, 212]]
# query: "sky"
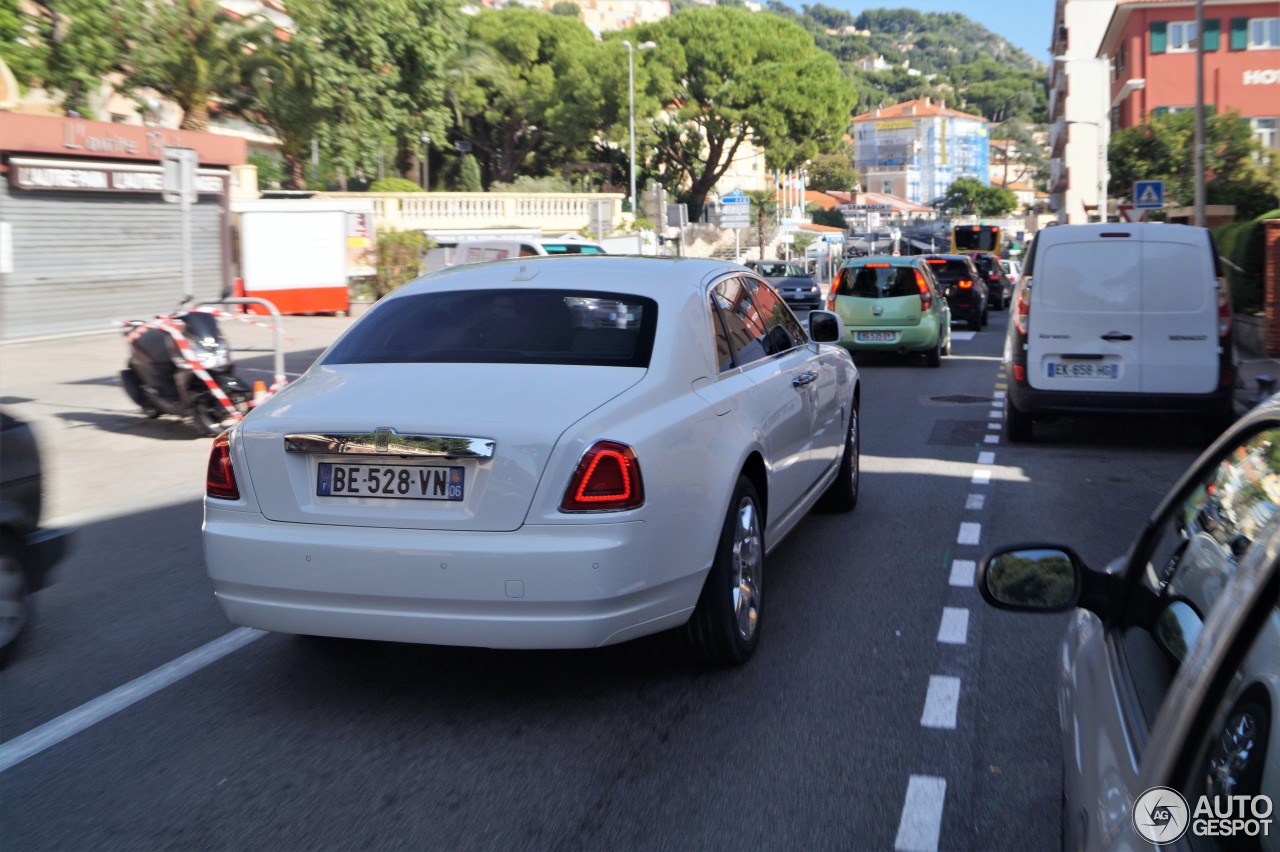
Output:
[[1027, 24]]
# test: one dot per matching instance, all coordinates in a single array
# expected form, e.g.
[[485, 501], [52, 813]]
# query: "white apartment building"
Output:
[[1079, 106]]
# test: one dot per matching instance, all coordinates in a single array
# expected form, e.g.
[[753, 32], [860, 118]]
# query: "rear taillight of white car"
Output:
[[1022, 308], [220, 481], [1224, 309], [607, 479]]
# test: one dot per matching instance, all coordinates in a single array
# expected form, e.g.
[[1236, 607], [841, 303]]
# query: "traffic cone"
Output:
[[259, 392]]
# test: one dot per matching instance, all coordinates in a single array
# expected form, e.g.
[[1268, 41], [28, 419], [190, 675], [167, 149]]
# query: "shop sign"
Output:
[[101, 177], [1264, 77]]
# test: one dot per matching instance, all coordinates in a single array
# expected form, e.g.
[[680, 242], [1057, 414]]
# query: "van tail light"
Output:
[[220, 480], [964, 284], [1022, 310], [926, 295], [1224, 310], [607, 479], [1019, 372]]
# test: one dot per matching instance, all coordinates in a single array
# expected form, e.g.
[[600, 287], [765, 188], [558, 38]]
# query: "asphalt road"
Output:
[[289, 743]]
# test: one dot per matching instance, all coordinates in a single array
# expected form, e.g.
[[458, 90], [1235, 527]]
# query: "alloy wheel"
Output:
[[747, 562]]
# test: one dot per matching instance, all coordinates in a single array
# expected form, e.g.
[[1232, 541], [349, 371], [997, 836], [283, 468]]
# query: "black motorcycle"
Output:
[[173, 361]]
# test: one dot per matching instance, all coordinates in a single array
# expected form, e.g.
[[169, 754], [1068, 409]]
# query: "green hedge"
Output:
[[1242, 244], [394, 184]]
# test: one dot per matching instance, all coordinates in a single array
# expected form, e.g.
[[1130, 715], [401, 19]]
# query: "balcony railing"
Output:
[[445, 211]]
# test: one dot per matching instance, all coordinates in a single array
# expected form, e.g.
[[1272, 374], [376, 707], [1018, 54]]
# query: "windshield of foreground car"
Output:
[[504, 327]]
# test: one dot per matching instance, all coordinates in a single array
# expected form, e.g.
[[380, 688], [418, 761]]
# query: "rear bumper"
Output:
[[1032, 401], [562, 586]]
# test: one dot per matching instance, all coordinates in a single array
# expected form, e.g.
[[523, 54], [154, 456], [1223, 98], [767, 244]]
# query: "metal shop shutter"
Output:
[[84, 260]]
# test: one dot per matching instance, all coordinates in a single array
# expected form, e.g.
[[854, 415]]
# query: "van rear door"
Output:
[[1179, 314], [1085, 326]]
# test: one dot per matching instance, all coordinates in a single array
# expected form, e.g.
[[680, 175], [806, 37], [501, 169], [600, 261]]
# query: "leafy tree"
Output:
[[567, 8], [77, 43], [728, 75], [1237, 171], [192, 52], [531, 115], [380, 74], [469, 175], [764, 204], [832, 172], [832, 218], [15, 51], [967, 196], [394, 184], [270, 171], [1017, 153]]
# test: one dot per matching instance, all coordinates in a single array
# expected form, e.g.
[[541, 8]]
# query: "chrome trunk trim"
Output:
[[385, 442]]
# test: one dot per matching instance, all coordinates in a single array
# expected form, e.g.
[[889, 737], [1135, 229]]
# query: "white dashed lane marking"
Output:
[[995, 415], [993, 425], [1000, 394], [954, 629], [970, 533], [941, 703], [974, 502], [991, 439], [921, 822], [982, 477], [986, 458], [962, 572]]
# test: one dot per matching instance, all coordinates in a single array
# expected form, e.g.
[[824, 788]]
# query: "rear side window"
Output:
[[758, 323], [1102, 276], [504, 327], [877, 282]]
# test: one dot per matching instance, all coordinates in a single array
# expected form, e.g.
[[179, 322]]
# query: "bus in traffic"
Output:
[[966, 239]]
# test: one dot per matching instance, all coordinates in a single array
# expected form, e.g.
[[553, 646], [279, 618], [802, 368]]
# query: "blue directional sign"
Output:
[[1148, 194]]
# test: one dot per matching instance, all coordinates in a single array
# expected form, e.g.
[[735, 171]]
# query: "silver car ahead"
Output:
[[1169, 685]]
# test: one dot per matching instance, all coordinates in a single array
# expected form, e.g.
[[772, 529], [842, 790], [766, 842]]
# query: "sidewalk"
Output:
[[101, 456]]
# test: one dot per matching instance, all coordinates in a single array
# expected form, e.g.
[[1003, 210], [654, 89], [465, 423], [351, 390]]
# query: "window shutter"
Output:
[[1239, 33], [1212, 29], [1159, 36]]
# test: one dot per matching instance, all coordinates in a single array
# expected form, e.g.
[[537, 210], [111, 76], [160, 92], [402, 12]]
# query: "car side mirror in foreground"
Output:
[[1031, 578], [825, 327]]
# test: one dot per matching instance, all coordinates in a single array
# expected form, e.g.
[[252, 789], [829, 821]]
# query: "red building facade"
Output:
[[1152, 48]]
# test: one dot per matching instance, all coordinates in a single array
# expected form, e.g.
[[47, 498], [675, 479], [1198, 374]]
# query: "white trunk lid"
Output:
[[521, 409]]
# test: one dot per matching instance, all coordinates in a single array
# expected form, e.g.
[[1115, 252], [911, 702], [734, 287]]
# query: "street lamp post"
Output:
[[631, 99], [426, 162]]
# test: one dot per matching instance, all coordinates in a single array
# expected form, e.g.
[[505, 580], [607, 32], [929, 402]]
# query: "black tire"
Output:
[[208, 416], [933, 358], [1017, 423], [724, 629], [842, 494], [986, 317], [15, 606]]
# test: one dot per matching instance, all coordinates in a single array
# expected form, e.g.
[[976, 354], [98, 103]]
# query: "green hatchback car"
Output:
[[892, 304]]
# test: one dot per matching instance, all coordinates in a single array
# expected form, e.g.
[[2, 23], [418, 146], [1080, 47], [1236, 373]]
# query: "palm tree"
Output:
[[282, 92], [192, 52]]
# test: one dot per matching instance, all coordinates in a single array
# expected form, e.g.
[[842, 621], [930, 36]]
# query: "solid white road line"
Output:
[[954, 629], [986, 458], [941, 702], [962, 572], [921, 822], [85, 716], [982, 477], [991, 439], [970, 533], [974, 502]]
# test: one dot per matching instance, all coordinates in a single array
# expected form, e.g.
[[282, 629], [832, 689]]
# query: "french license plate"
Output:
[[1083, 370], [400, 481], [876, 336]]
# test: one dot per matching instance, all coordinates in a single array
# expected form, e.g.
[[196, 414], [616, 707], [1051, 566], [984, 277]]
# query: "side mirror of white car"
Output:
[[825, 327]]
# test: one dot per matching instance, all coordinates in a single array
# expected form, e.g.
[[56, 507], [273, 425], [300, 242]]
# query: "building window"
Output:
[[1264, 33], [886, 186], [1264, 130], [1120, 60], [1182, 36]]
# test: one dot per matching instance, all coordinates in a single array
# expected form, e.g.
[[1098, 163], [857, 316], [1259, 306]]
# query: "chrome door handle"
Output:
[[805, 378], [1115, 335]]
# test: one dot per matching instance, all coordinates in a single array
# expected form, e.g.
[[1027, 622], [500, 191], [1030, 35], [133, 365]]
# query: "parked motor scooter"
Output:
[[162, 378]]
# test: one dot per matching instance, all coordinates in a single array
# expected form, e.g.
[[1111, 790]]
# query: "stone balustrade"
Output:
[[451, 211]]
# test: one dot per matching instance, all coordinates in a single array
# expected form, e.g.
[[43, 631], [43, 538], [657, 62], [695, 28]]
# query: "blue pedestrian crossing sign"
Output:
[[1148, 194]]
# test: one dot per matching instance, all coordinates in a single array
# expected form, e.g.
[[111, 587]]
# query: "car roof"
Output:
[[630, 274]]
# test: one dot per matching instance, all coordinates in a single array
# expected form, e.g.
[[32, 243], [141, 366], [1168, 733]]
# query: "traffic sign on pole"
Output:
[[1148, 194], [1130, 213]]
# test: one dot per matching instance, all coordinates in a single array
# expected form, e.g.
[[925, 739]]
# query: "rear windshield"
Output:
[[781, 270], [950, 270], [504, 327], [976, 239], [877, 282]]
